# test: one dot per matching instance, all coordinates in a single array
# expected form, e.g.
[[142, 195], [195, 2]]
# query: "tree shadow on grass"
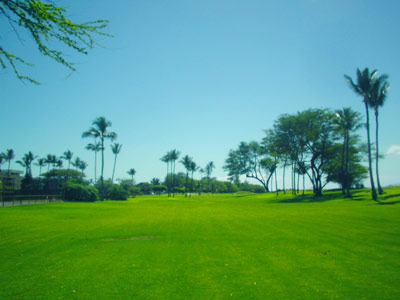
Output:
[[309, 198], [396, 201], [328, 196]]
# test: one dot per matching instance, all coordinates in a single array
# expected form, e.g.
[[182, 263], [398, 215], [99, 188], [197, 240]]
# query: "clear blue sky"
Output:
[[200, 76]]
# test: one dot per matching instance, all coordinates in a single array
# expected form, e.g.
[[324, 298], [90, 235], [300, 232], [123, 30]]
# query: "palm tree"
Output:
[[99, 130], [77, 163], [50, 159], [208, 170], [363, 87], [40, 163], [59, 163], [378, 97], [26, 162], [174, 155], [193, 168], [67, 155], [82, 166], [96, 147], [9, 156], [115, 148], [155, 181], [167, 159], [347, 121], [131, 172], [186, 161], [1, 159]]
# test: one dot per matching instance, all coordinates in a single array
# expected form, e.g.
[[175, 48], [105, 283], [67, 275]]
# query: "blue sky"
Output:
[[200, 77]]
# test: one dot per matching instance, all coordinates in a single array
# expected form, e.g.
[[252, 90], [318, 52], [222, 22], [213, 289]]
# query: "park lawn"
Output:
[[241, 246]]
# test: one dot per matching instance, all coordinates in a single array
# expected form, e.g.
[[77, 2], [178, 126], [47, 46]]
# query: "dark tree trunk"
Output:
[[371, 178], [380, 190]]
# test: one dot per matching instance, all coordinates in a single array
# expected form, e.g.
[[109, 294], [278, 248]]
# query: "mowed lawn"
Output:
[[241, 246]]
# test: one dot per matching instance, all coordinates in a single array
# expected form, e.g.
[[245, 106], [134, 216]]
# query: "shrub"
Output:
[[158, 189], [134, 191], [117, 192], [78, 192]]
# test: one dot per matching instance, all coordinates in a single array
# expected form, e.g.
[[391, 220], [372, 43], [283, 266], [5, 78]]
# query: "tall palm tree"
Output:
[[9, 156], [363, 87], [40, 163], [115, 148], [26, 162], [1, 159], [76, 163], [208, 170], [174, 155], [378, 97], [96, 147], [167, 159], [82, 166], [186, 161], [50, 159], [347, 121], [131, 172], [193, 168], [99, 130], [67, 155]]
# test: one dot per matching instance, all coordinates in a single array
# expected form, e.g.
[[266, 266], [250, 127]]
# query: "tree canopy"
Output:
[[45, 22]]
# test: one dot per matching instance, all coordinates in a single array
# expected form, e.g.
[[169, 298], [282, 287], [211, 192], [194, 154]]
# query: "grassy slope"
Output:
[[208, 247]]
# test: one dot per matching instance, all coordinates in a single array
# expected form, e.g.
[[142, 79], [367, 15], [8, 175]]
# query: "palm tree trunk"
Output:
[[283, 177], [276, 180], [186, 183], [191, 186], [380, 190], [102, 168], [371, 178], [115, 162], [343, 173], [167, 180], [9, 162], [347, 161], [95, 166], [173, 182]]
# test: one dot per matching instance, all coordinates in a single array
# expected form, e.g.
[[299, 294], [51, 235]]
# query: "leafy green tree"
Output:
[[45, 22], [158, 188], [363, 87], [250, 159], [132, 172], [356, 172], [347, 122], [96, 147], [115, 148], [155, 181], [9, 156], [99, 130], [377, 100], [186, 161]]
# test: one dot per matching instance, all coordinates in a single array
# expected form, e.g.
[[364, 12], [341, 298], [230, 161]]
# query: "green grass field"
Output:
[[242, 246]]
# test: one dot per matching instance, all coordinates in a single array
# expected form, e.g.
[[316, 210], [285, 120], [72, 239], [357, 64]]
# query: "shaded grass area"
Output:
[[240, 246]]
